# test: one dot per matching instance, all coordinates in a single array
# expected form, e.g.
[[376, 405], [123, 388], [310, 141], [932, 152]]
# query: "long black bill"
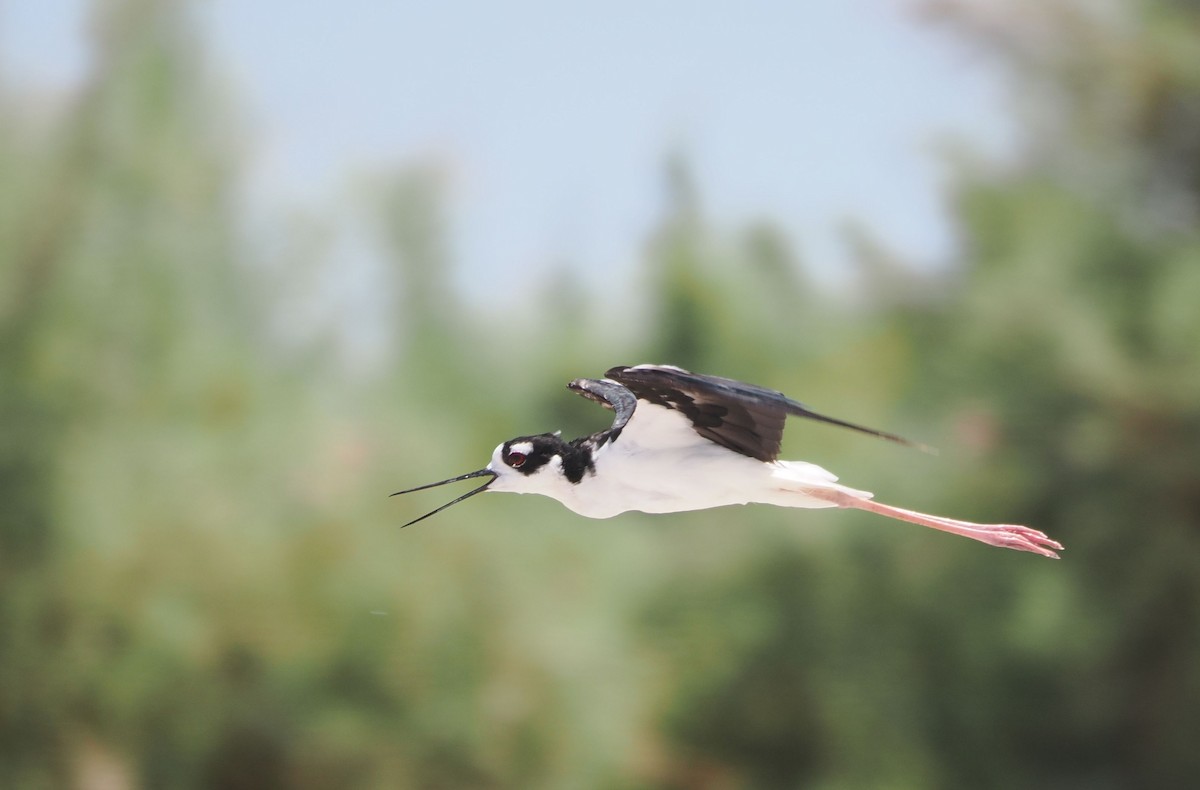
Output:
[[480, 490]]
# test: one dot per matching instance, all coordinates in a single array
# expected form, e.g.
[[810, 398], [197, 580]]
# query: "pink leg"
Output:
[[1008, 536]]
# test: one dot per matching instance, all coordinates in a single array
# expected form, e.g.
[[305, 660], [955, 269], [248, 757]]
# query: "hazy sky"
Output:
[[554, 119]]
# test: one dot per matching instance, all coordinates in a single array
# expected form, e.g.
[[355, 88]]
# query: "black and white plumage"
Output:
[[684, 441]]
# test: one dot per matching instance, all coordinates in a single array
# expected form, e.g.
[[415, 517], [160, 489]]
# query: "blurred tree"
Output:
[[683, 296], [198, 585], [414, 237], [123, 310], [1072, 359], [1073, 326]]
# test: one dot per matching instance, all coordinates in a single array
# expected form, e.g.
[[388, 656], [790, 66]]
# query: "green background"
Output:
[[202, 583]]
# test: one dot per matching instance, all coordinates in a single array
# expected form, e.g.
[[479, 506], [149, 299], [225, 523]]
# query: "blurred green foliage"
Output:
[[202, 585]]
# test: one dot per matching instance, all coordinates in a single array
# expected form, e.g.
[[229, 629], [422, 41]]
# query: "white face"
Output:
[[545, 479]]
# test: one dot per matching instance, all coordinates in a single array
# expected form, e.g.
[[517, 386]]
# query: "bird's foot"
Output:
[[1013, 536]]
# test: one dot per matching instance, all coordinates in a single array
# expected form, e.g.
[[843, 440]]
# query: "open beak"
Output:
[[480, 490]]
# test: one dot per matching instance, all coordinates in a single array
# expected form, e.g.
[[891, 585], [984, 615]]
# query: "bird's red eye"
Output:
[[516, 460]]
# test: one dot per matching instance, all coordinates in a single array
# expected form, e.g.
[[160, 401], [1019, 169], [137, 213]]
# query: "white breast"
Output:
[[659, 464]]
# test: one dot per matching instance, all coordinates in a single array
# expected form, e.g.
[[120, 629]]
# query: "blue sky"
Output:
[[553, 120]]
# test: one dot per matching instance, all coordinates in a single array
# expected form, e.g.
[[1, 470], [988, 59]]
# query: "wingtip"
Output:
[[928, 449]]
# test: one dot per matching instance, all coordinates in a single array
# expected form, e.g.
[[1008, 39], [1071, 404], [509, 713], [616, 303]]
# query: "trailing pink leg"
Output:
[[1008, 536]]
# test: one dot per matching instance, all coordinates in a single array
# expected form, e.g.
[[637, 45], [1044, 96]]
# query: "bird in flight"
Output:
[[684, 441]]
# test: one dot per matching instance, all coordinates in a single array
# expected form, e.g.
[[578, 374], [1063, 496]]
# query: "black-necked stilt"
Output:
[[684, 441]]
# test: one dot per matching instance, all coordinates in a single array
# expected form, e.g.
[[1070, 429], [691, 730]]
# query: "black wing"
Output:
[[610, 395], [745, 418]]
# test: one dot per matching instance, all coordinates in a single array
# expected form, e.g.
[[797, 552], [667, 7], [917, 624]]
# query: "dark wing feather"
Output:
[[745, 418], [611, 396]]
